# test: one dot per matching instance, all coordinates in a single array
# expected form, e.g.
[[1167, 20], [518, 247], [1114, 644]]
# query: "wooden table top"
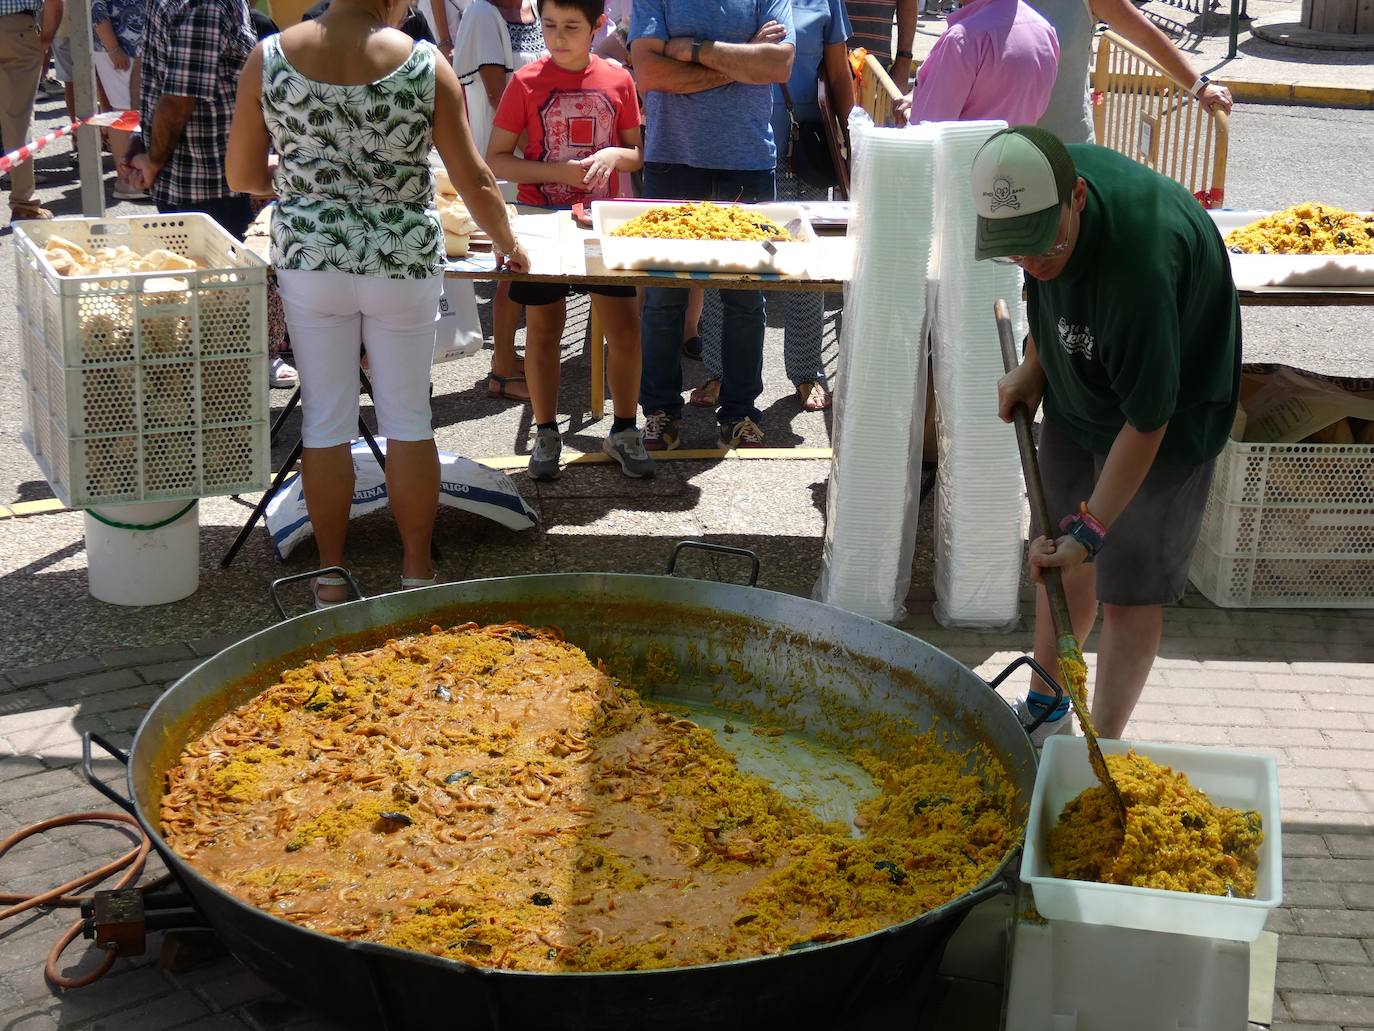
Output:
[[562, 251]]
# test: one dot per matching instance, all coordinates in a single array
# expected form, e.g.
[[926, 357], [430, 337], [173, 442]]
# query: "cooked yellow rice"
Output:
[[1175, 838], [1307, 228], [702, 221]]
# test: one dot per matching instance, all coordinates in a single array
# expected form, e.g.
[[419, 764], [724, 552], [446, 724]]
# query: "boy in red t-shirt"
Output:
[[575, 117]]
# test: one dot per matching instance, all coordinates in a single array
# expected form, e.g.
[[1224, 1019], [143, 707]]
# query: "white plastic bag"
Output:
[[463, 484]]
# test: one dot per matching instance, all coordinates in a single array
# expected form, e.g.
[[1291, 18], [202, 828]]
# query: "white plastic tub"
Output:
[[1235, 779], [632, 252]]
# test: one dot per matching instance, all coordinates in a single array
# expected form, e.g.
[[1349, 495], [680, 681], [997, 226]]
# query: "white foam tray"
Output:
[[1298, 270], [1236, 779], [633, 253]]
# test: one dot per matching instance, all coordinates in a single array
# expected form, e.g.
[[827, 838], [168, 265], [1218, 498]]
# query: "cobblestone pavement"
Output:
[[1220, 681]]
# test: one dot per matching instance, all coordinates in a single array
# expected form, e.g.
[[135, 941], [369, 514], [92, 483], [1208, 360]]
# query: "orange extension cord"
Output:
[[131, 863]]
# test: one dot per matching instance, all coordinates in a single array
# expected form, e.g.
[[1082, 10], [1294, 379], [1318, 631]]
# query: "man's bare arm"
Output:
[[655, 71], [758, 64], [169, 125]]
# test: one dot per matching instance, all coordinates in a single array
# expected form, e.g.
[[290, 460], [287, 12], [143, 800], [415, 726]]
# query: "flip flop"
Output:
[[707, 395], [410, 583], [503, 386]]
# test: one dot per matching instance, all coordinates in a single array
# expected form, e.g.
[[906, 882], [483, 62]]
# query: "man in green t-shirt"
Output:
[[1134, 346]]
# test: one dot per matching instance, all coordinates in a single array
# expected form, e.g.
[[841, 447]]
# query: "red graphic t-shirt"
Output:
[[566, 116]]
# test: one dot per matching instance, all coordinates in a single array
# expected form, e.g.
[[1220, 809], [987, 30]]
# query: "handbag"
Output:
[[809, 150]]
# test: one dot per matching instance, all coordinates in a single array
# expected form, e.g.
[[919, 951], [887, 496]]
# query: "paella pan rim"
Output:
[[322, 626]]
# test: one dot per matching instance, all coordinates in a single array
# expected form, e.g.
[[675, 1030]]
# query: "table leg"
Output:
[[596, 350]]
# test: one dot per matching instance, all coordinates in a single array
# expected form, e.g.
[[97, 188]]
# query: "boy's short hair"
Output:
[[593, 9]]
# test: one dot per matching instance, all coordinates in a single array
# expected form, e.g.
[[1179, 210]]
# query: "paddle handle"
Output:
[[1035, 489]]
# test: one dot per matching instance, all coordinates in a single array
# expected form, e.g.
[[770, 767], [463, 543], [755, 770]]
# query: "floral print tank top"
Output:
[[354, 189]]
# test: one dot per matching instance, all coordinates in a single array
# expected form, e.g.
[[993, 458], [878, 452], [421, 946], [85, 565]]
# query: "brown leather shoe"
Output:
[[29, 213]]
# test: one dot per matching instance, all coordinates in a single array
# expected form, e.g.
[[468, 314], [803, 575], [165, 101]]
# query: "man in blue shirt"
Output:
[[707, 72]]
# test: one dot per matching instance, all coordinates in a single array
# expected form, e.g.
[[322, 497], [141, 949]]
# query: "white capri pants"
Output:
[[330, 315]]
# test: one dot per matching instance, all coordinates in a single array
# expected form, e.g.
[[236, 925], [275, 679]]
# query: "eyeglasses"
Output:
[[1060, 246]]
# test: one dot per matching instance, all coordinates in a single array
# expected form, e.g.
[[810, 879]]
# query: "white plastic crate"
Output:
[[1289, 526], [1236, 779], [147, 386]]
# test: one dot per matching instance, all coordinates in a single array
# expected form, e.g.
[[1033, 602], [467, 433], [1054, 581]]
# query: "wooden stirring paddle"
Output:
[[1073, 670]]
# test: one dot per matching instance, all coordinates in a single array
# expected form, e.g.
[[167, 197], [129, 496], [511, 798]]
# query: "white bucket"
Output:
[[145, 560]]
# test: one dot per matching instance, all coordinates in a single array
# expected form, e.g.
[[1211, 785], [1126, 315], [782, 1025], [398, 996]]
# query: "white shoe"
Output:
[[281, 375], [1060, 725]]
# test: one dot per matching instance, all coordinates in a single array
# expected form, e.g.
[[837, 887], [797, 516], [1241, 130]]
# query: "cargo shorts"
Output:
[[1145, 559]]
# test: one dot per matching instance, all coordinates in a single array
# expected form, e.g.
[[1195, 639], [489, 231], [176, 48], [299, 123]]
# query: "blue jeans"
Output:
[[660, 385]]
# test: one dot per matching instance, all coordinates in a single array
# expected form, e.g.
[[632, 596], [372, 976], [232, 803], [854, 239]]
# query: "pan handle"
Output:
[[89, 738], [295, 577], [721, 549], [1028, 660]]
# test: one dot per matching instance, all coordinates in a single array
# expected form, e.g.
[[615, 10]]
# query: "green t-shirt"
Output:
[[1143, 324]]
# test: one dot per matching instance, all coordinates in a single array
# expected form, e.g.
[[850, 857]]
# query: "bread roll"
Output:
[[455, 244], [443, 185]]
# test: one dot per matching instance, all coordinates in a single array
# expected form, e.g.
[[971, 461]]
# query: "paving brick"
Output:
[[1178, 733], [1247, 666], [1225, 716], [1341, 799], [1282, 737], [1322, 719], [1313, 895], [1300, 977], [125, 719], [1281, 921], [207, 646], [123, 987], [1343, 1009], [61, 741], [1281, 703], [1335, 923], [1287, 1025], [1354, 896], [1339, 871], [170, 1011], [1338, 669], [1346, 758], [1351, 846], [137, 696], [46, 715], [123, 658], [85, 690], [1321, 950], [234, 989], [1349, 738], [275, 1015], [1307, 846], [14, 699], [1346, 979], [54, 671], [1338, 702], [1368, 944], [1334, 820], [165, 672], [35, 785], [1307, 777]]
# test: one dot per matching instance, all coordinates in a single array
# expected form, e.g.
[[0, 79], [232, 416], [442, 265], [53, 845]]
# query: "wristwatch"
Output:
[[697, 44], [1196, 88], [904, 53]]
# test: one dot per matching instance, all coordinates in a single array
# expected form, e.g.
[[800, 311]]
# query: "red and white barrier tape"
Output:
[[124, 121]]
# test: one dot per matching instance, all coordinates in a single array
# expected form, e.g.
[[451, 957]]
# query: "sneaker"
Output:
[[745, 433], [661, 432], [548, 446], [52, 87], [129, 193], [1060, 723], [280, 374], [627, 448]]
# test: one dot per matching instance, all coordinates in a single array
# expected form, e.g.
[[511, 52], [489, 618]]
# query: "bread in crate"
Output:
[[146, 348]]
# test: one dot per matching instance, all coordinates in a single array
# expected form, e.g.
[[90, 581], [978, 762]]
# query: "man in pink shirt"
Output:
[[996, 59]]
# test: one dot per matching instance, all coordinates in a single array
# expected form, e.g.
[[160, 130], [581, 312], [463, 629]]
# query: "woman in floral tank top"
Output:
[[352, 107]]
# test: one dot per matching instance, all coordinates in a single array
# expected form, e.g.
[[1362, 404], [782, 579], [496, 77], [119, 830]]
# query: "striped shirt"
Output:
[[872, 21]]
